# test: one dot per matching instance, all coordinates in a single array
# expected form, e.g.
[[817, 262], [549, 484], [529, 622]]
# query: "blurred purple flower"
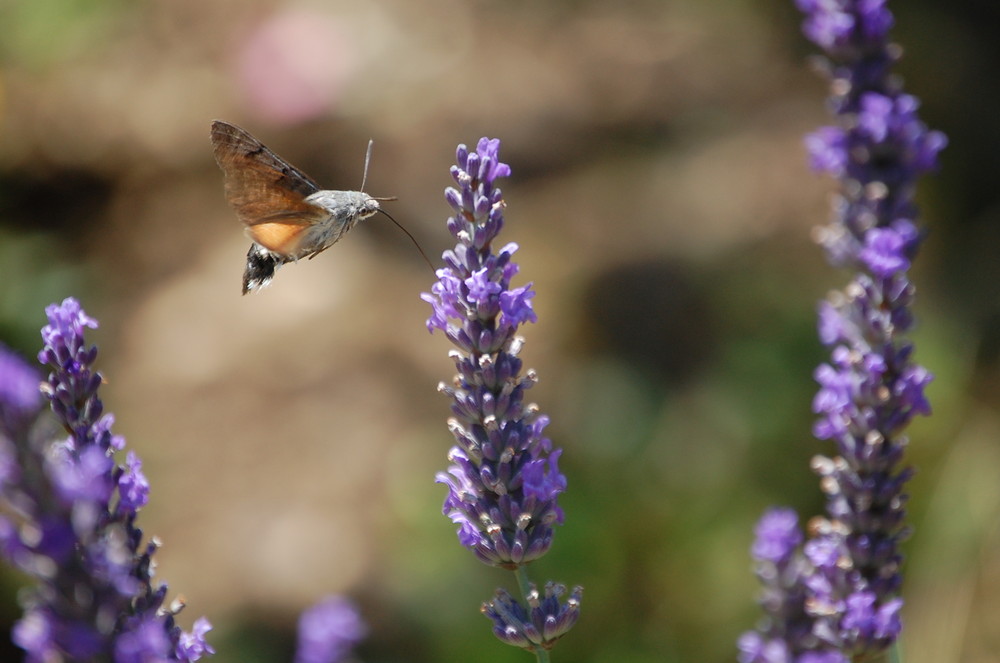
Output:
[[94, 598], [827, 148], [328, 631], [133, 489], [504, 479], [20, 399], [191, 646], [884, 252], [842, 26], [847, 575], [146, 642], [777, 536]]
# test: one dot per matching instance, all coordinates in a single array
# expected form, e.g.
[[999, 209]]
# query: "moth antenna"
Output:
[[412, 238], [364, 178], [368, 158]]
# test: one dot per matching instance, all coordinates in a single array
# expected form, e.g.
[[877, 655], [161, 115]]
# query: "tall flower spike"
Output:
[[504, 479], [849, 570], [67, 518]]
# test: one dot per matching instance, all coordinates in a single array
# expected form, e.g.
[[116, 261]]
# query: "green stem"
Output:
[[524, 583], [896, 653], [893, 654]]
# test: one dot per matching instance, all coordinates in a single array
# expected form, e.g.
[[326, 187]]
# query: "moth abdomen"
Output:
[[261, 266]]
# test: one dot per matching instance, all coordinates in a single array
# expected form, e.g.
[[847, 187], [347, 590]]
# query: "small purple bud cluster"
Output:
[[545, 621], [844, 584], [504, 480], [67, 518]]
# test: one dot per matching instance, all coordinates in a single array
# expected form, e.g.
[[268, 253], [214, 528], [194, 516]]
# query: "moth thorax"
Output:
[[345, 205]]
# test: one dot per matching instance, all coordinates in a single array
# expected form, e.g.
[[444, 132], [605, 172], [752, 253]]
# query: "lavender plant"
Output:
[[504, 480], [836, 598], [68, 515], [68, 519]]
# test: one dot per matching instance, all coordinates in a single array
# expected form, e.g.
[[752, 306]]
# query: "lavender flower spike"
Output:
[[504, 479], [849, 570], [67, 518], [785, 634]]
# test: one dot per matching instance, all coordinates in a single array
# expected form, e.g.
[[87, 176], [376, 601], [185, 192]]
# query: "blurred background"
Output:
[[662, 202]]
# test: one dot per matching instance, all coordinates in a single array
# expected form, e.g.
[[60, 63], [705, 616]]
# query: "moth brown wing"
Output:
[[266, 191], [234, 146]]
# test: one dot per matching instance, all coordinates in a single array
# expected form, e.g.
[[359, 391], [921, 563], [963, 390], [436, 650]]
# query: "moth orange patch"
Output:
[[283, 238]]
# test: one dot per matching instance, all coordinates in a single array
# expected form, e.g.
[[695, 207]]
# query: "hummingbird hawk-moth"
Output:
[[285, 212]]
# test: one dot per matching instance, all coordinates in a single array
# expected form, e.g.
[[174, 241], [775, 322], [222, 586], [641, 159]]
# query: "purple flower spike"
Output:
[[94, 597], [836, 598], [504, 480], [328, 631]]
